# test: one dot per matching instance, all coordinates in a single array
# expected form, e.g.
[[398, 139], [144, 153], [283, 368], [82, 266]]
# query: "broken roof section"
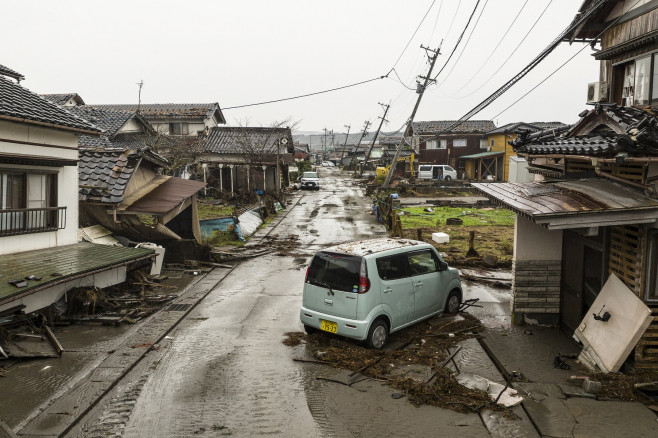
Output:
[[166, 196], [65, 99], [467, 127], [603, 131], [158, 111], [20, 104], [248, 140], [574, 204], [104, 174]]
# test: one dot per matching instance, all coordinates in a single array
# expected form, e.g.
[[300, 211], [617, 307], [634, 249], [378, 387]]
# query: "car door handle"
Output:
[[329, 302], [388, 290], [418, 284]]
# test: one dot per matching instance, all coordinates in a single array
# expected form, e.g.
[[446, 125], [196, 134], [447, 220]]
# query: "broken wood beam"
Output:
[[53, 340]]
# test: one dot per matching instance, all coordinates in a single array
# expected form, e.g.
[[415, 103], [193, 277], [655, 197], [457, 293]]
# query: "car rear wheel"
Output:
[[309, 330], [377, 335], [453, 302], [448, 178]]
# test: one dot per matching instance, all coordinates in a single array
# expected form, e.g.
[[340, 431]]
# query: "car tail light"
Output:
[[364, 283], [306, 278]]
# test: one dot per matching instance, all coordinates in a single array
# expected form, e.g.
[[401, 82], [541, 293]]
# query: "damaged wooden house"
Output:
[[41, 257], [122, 188], [591, 214], [247, 160]]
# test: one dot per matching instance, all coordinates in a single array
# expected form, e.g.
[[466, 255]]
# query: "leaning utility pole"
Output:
[[427, 79], [363, 134], [365, 161], [347, 136]]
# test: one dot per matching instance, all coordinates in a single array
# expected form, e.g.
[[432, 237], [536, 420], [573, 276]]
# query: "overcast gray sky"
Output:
[[248, 51]]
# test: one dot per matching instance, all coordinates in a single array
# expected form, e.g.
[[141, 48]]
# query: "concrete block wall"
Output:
[[536, 287]]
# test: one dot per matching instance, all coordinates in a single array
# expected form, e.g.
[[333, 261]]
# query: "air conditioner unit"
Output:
[[597, 92]]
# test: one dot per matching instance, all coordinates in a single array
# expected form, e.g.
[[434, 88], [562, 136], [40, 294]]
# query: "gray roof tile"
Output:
[[170, 110], [19, 102], [241, 140], [467, 127], [6, 71]]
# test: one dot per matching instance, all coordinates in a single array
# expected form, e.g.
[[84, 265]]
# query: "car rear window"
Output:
[[337, 271]]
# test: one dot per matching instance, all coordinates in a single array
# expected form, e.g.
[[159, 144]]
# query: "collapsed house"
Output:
[[121, 186], [39, 205]]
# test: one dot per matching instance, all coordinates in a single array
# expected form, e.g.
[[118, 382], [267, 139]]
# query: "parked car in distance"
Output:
[[368, 289], [436, 171], [328, 164], [310, 180]]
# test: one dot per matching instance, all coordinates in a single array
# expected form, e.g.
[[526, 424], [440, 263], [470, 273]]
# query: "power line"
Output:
[[468, 40], [453, 19], [575, 24], [459, 40], [400, 80], [306, 95], [524, 39], [495, 48], [414, 34]]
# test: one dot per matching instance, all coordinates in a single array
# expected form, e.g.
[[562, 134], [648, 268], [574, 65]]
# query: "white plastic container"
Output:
[[440, 237], [156, 267]]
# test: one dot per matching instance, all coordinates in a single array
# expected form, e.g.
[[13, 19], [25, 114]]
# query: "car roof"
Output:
[[372, 246]]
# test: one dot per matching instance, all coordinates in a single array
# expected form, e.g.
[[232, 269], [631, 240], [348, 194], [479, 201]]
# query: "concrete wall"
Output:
[[67, 180], [537, 272]]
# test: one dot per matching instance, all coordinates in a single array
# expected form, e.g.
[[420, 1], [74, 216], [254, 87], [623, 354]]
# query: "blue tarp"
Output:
[[218, 224]]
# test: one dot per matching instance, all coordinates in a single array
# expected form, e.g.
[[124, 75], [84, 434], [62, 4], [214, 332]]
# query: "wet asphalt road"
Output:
[[224, 368]]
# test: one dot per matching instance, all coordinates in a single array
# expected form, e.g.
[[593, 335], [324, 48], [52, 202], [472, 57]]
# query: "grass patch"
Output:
[[494, 232], [417, 217], [209, 211], [224, 238]]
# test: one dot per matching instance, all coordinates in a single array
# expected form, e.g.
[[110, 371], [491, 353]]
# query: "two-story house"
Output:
[[468, 138], [39, 205], [592, 210]]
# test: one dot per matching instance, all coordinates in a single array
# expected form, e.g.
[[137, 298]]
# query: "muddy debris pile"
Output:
[[130, 302], [416, 362]]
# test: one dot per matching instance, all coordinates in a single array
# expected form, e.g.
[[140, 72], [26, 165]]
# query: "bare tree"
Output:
[[180, 151]]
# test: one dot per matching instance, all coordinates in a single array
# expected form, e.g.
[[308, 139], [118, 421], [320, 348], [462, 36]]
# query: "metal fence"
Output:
[[31, 220]]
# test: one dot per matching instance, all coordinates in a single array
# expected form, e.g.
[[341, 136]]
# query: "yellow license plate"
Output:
[[329, 326]]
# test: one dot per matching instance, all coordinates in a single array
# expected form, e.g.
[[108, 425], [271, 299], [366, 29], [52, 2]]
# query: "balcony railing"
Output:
[[31, 220]]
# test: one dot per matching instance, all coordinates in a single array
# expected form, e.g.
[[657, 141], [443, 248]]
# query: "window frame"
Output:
[[651, 281], [405, 273], [454, 145], [423, 251]]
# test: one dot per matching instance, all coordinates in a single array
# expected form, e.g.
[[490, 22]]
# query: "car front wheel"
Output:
[[453, 302], [377, 335]]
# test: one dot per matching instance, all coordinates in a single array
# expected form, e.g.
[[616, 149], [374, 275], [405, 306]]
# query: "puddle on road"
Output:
[[315, 212], [349, 219], [313, 231], [302, 227]]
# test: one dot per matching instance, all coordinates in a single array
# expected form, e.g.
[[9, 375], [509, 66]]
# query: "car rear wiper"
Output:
[[325, 285]]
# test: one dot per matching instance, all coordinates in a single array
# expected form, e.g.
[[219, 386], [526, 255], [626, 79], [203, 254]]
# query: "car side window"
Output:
[[393, 267], [422, 262]]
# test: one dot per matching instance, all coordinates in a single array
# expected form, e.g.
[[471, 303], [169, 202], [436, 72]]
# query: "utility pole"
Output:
[[363, 134], [140, 84], [324, 144], [426, 81], [365, 161], [347, 136]]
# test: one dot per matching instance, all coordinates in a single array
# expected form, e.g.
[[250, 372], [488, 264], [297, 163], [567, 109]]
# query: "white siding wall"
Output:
[[67, 181]]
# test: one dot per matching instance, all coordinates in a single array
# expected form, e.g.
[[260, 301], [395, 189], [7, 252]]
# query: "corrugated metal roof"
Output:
[[551, 203], [166, 197], [56, 264], [481, 155]]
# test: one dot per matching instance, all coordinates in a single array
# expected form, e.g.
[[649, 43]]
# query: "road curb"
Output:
[[63, 413]]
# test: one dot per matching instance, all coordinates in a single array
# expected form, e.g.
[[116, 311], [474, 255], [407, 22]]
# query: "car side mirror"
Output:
[[443, 266]]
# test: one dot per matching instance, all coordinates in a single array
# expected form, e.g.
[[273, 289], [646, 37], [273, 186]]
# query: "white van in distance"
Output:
[[437, 171]]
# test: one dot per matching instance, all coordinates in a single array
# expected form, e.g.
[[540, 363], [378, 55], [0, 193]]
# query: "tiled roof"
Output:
[[109, 121], [393, 140], [467, 127], [61, 99], [20, 103], [170, 110], [640, 134], [515, 128], [6, 71], [544, 126], [103, 175], [241, 140]]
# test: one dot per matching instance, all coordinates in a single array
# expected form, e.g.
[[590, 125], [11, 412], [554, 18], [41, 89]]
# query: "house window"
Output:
[[460, 142], [178, 129], [28, 202], [483, 143], [642, 81], [436, 144], [493, 143]]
